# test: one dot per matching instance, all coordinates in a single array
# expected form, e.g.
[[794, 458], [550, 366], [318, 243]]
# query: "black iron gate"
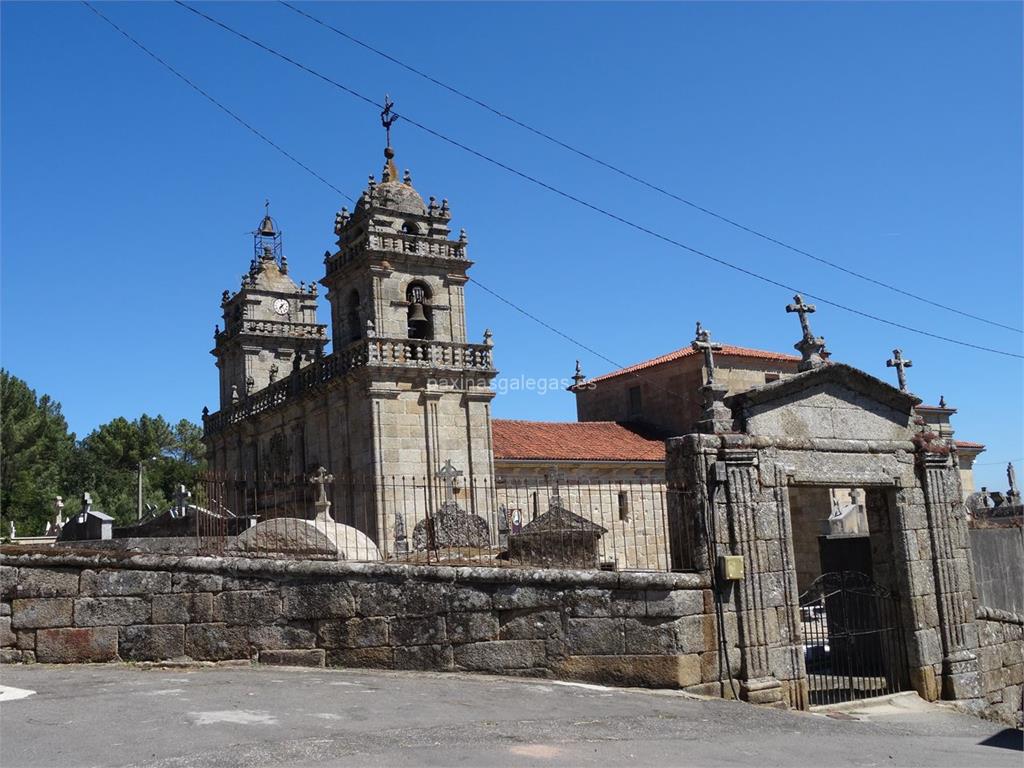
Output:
[[853, 639]]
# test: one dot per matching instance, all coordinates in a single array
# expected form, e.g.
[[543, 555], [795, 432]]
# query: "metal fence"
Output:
[[541, 520]]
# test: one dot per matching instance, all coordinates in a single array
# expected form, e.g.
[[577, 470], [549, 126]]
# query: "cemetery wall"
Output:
[[640, 629], [1001, 657], [999, 566]]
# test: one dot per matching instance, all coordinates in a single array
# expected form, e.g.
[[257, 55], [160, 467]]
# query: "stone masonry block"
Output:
[[596, 637], [247, 607], [353, 633], [312, 657], [183, 608], [152, 643], [8, 582], [424, 598], [318, 601], [463, 598], [197, 582], [103, 583], [106, 611], [629, 602], [35, 612], [425, 657], [650, 636], [73, 646], [588, 603], [471, 627], [512, 597], [25, 639], [529, 625], [216, 642], [46, 582], [273, 637], [378, 598], [498, 655], [676, 602], [7, 637], [365, 658], [418, 631], [642, 671]]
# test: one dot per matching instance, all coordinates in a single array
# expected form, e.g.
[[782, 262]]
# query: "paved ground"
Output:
[[113, 715]]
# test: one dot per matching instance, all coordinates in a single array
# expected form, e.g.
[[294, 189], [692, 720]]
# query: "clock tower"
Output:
[[270, 326]]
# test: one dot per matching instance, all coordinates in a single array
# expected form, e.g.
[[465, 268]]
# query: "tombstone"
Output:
[[89, 524], [54, 526], [321, 537], [557, 539], [451, 526]]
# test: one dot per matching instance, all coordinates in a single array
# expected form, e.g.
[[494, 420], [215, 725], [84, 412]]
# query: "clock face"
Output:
[[281, 306]]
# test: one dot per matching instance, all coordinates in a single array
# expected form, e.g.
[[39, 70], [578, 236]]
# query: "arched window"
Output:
[[420, 322], [355, 330]]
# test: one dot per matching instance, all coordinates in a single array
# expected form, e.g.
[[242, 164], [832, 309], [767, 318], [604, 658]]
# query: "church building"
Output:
[[405, 394]]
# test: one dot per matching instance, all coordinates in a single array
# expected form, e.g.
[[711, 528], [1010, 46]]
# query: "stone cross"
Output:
[[557, 480], [702, 343], [810, 347], [181, 497], [86, 507], [900, 365], [321, 478], [578, 378], [447, 475], [803, 310], [1011, 477]]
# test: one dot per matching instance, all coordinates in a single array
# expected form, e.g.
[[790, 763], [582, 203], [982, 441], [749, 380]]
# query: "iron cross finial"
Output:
[[387, 117], [900, 365]]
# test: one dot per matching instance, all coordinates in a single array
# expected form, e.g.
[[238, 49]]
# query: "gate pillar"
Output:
[[951, 568]]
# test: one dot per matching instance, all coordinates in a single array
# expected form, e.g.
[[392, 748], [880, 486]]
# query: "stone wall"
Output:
[[1001, 657], [999, 567], [649, 629]]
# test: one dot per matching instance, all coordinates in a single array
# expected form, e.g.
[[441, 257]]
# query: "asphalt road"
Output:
[[115, 715]]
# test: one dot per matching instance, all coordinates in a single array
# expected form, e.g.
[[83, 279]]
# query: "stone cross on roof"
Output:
[[447, 475], [321, 478], [1011, 478], [900, 365], [578, 378], [811, 347], [86, 507], [702, 343]]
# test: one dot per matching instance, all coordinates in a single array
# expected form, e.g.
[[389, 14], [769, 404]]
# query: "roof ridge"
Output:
[[727, 349]]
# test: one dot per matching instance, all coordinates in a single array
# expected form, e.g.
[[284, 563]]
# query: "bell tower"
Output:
[[270, 326], [396, 286]]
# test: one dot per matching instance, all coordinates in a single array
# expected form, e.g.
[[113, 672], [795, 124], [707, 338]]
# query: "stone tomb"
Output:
[[557, 539]]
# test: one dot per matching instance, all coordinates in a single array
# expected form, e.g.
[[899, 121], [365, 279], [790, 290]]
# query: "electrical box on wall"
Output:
[[732, 567]]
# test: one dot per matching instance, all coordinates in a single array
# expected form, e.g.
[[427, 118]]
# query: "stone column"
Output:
[[743, 497], [951, 567]]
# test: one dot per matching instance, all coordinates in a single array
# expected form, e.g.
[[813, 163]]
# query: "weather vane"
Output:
[[387, 117]]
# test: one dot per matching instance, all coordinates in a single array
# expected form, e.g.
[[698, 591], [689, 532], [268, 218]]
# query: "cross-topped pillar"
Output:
[[716, 417], [900, 364], [448, 475], [557, 480], [810, 347], [181, 499], [320, 479]]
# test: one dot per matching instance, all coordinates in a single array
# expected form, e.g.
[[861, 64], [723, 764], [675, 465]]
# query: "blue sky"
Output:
[[886, 137]]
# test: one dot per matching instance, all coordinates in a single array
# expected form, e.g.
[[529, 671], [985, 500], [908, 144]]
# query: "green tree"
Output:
[[109, 458], [35, 452]]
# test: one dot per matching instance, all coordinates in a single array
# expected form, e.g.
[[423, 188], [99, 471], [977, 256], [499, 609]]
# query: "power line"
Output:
[[637, 179], [586, 204], [214, 101]]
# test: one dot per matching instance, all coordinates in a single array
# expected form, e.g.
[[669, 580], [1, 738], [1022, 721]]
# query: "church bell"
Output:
[[416, 314]]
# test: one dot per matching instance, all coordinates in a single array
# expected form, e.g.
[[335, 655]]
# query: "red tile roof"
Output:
[[727, 349], [573, 441], [969, 445]]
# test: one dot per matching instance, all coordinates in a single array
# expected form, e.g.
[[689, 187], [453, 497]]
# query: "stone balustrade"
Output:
[[371, 352], [397, 242], [275, 328]]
